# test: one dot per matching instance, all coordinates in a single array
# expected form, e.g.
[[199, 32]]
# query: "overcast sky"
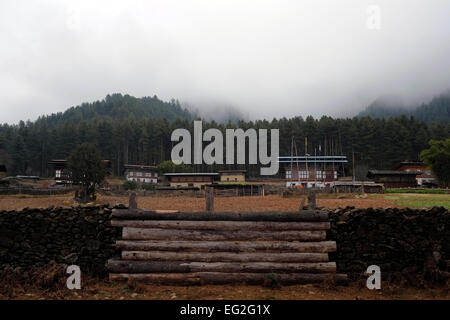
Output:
[[267, 58]]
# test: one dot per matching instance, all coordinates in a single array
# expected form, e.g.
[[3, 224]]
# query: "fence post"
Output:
[[132, 202], [312, 199], [209, 198]]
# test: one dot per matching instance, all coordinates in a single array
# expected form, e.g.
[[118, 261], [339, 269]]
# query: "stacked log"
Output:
[[174, 247]]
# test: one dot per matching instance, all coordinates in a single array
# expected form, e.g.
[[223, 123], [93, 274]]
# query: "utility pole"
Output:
[[353, 163], [306, 154], [292, 156]]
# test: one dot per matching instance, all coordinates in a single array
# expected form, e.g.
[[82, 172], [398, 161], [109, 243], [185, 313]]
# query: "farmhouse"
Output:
[[308, 170], [61, 173], [394, 178], [141, 173], [185, 179], [232, 175], [424, 178]]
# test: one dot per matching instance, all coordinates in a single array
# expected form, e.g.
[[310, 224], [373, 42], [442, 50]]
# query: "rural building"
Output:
[[186, 179], [61, 172], [424, 176], [141, 173], [59, 168], [312, 171], [394, 178], [232, 175]]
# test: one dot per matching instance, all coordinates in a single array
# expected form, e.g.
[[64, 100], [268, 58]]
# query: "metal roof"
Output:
[[138, 166], [191, 174], [394, 172], [312, 159]]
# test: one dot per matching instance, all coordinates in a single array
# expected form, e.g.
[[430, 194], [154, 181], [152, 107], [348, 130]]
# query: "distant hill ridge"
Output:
[[436, 111], [117, 106]]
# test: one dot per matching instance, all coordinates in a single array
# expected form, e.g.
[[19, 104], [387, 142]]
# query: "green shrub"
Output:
[[148, 186], [130, 185]]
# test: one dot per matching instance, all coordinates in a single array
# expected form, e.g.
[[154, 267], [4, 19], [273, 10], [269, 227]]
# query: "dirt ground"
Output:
[[95, 290], [255, 203]]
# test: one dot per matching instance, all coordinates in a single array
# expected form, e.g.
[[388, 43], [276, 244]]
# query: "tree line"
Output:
[[26, 148]]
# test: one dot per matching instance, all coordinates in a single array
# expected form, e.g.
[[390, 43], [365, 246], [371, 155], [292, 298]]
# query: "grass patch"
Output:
[[419, 191], [421, 201]]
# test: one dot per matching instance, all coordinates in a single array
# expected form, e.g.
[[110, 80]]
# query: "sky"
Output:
[[265, 58]]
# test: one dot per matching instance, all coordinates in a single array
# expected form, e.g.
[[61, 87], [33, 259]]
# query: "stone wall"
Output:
[[79, 235], [399, 241]]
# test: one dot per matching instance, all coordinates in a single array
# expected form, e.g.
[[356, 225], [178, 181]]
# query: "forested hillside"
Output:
[[436, 111], [139, 133], [118, 106]]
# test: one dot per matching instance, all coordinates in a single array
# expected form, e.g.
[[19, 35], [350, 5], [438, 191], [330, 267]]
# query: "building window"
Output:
[[320, 174], [303, 174], [288, 174], [335, 175], [148, 174], [58, 173], [139, 174]]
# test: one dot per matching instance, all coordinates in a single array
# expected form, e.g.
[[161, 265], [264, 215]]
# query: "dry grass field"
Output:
[[255, 203], [267, 203]]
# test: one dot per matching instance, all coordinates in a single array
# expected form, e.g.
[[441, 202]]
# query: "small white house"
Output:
[[140, 173]]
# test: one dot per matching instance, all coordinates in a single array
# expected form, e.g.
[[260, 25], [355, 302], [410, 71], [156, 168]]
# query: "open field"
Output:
[[267, 203]]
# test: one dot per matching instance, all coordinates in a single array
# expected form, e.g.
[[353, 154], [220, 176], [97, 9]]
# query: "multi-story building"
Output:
[[312, 171]]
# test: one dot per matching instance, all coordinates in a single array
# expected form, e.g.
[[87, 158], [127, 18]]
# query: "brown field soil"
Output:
[[98, 289], [267, 203]]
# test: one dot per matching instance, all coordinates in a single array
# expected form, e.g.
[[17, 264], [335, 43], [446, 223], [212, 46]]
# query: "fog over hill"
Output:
[[266, 59], [437, 110]]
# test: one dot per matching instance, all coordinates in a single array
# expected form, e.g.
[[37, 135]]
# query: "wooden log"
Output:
[[224, 256], [227, 246], [129, 233], [288, 216], [201, 278], [222, 225], [130, 266]]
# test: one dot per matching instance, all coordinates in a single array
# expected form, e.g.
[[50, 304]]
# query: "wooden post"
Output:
[[132, 203], [209, 198], [312, 199], [302, 203]]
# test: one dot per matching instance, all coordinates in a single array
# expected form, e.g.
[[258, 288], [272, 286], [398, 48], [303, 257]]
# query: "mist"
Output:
[[261, 59]]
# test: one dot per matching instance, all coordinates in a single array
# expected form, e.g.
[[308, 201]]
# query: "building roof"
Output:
[[355, 183], [191, 174], [312, 159], [232, 171], [393, 172], [410, 163], [138, 166]]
